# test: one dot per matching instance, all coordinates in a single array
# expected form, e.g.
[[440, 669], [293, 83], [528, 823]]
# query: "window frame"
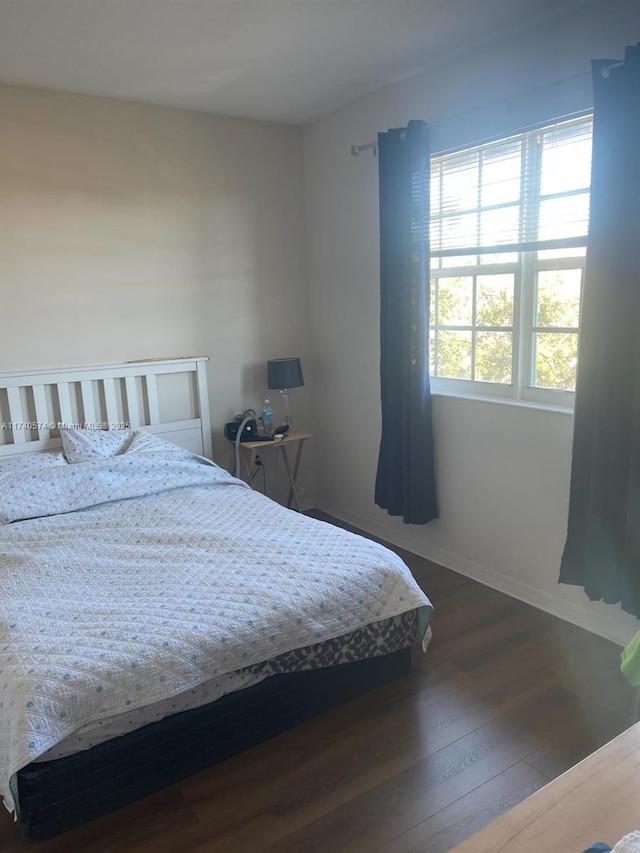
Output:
[[525, 270]]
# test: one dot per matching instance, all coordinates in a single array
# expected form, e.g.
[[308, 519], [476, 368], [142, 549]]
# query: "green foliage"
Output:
[[454, 355], [494, 302], [559, 298], [493, 356], [556, 360], [494, 307], [555, 352]]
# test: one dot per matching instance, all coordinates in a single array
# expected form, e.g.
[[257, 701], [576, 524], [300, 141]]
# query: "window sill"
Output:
[[439, 391]]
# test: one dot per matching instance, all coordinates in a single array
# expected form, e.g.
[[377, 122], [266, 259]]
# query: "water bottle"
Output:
[[267, 418]]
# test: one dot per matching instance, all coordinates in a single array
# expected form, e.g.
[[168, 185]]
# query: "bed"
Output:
[[157, 615]]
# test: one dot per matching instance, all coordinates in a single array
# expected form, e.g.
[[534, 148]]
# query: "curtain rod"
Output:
[[358, 149]]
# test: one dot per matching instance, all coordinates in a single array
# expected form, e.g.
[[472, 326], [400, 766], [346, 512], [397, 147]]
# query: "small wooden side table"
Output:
[[250, 449]]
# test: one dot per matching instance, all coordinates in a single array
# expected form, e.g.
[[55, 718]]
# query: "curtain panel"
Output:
[[602, 551], [405, 481]]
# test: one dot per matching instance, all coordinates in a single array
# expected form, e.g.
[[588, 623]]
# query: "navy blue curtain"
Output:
[[405, 481], [602, 552]]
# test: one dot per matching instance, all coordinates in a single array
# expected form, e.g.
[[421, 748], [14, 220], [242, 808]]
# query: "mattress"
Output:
[[56, 796], [379, 638], [132, 580]]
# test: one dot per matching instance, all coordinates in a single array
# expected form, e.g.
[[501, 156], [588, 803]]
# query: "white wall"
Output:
[[503, 471], [131, 231]]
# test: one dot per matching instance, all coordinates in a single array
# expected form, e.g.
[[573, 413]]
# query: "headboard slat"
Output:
[[42, 415], [15, 415], [203, 408], [133, 407], [111, 407], [64, 399], [152, 399], [88, 406]]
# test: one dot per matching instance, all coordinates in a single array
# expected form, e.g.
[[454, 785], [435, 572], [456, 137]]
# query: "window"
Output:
[[508, 231]]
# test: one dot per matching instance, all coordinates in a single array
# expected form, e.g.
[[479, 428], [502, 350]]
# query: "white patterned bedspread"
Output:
[[131, 579]]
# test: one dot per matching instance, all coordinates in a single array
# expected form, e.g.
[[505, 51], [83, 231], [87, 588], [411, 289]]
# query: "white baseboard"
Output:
[[604, 626]]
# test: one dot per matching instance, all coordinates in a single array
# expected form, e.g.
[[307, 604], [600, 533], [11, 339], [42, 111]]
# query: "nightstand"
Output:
[[250, 449]]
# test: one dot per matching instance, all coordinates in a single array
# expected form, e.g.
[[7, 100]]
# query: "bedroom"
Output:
[[133, 230]]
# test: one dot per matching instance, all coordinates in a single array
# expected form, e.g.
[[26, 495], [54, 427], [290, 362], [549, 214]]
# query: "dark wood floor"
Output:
[[507, 698]]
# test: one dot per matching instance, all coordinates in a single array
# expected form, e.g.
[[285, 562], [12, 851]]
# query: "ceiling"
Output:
[[280, 60]]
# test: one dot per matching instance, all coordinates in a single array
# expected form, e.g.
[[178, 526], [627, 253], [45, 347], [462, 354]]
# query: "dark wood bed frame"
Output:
[[56, 796]]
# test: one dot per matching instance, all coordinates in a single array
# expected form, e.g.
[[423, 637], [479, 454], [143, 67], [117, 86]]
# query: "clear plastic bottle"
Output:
[[267, 418]]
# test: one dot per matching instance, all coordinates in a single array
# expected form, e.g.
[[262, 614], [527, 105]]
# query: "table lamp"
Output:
[[282, 374]]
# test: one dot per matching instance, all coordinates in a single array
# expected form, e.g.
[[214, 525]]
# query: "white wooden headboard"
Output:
[[168, 397]]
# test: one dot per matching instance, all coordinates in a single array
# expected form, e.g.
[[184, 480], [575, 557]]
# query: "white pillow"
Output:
[[143, 442], [147, 442], [82, 445], [31, 462]]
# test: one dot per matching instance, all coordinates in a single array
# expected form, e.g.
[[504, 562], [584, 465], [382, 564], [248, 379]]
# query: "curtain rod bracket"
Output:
[[358, 149], [606, 71]]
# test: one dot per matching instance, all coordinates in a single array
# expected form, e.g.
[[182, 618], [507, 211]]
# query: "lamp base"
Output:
[[286, 418]]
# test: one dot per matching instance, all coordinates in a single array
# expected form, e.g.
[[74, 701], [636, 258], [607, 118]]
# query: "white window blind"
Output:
[[508, 231], [525, 193]]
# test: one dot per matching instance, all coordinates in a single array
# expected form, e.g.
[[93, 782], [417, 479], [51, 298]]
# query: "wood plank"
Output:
[[366, 822], [597, 800], [470, 813], [148, 826]]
